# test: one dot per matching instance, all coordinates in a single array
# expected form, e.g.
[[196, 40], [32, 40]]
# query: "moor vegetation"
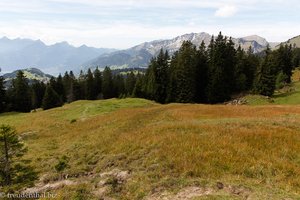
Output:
[[164, 148]]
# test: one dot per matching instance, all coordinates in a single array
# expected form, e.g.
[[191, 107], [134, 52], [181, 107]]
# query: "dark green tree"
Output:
[[149, 86], [90, 86], [157, 78], [239, 72], [251, 63], [266, 76], [119, 85], [51, 99], [67, 83], [58, 85], [21, 93], [230, 64], [201, 74], [98, 83], [130, 83], [296, 57], [82, 84], [284, 61], [172, 83], [2, 94], [138, 88], [183, 71], [72, 87], [161, 76], [222, 63], [107, 84], [38, 91], [74, 92], [72, 76], [14, 170]]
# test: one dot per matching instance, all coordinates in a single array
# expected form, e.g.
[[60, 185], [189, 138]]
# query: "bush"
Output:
[[280, 80]]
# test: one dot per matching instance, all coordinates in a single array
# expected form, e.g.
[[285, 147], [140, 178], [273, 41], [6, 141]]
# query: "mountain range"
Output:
[[60, 57], [140, 55], [23, 53]]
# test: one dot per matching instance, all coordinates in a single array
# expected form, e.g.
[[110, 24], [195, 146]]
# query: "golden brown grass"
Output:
[[170, 146]]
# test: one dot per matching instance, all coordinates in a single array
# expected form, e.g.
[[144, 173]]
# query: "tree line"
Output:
[[24, 97], [191, 75]]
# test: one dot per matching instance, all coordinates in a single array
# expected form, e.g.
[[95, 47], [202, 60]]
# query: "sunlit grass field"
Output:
[[167, 148]]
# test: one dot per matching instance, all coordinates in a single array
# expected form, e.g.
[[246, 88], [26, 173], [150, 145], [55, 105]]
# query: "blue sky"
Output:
[[125, 23]]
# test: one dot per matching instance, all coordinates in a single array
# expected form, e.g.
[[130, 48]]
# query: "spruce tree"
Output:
[[13, 169], [161, 76], [2, 94], [72, 87], [98, 83], [21, 93], [38, 92], [130, 83], [138, 88], [296, 57], [66, 83], [284, 61], [107, 84], [90, 86], [72, 76], [59, 88], [51, 99], [250, 67], [74, 92], [149, 86], [82, 83], [119, 85], [266, 76], [185, 71], [221, 70], [230, 65], [239, 73], [172, 83], [201, 74]]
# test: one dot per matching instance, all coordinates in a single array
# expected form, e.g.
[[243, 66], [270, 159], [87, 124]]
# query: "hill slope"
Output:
[[140, 55], [295, 41], [54, 59], [136, 149], [31, 74]]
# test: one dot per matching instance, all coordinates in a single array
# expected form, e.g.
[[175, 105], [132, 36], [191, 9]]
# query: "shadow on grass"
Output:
[[10, 114]]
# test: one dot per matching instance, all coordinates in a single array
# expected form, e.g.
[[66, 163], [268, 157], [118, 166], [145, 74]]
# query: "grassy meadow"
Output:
[[226, 152]]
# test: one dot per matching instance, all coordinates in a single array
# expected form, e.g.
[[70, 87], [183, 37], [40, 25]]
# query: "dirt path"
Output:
[[191, 192], [84, 113]]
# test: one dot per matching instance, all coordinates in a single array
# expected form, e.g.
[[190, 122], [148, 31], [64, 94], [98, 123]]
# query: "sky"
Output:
[[124, 23]]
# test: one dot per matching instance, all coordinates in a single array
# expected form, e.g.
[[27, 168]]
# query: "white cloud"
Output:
[[125, 35], [226, 11], [124, 23]]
